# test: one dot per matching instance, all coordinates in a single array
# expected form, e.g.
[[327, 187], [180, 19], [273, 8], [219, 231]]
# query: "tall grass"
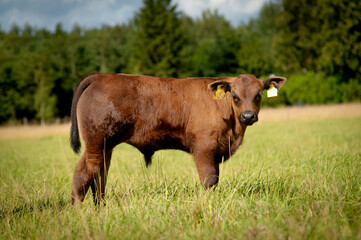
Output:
[[289, 180]]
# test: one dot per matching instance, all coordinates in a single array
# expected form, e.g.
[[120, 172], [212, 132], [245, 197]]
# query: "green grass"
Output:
[[289, 180]]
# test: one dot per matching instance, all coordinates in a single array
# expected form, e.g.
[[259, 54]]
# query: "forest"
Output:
[[315, 44]]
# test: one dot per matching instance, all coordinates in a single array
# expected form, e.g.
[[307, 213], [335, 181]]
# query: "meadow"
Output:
[[295, 177]]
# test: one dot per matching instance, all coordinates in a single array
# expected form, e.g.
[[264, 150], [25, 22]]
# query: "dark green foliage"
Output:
[[159, 39], [316, 44], [39, 69], [320, 35], [297, 46], [340, 51], [17, 82], [215, 46], [257, 54], [312, 88]]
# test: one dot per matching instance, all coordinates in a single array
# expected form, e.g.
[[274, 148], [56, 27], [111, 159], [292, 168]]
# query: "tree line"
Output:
[[316, 44]]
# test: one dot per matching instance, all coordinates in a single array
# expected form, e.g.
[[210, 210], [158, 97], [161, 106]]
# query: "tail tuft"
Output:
[[74, 138]]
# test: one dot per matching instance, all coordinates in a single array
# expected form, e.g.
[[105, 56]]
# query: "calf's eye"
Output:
[[235, 98], [258, 97]]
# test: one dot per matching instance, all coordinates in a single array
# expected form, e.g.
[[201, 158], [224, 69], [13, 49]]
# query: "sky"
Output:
[[95, 13]]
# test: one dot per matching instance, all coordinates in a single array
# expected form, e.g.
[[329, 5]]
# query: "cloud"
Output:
[[94, 13], [45, 13], [234, 10]]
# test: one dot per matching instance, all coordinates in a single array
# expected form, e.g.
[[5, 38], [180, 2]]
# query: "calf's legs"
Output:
[[91, 170]]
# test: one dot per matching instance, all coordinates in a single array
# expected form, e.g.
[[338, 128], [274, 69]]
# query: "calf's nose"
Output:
[[248, 117]]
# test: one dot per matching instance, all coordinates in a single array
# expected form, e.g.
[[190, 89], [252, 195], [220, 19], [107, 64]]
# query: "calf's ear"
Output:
[[214, 86], [277, 82]]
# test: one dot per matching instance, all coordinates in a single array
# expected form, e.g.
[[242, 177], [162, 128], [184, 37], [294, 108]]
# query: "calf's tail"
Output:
[[74, 131]]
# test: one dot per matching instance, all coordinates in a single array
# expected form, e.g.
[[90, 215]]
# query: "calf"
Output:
[[206, 117]]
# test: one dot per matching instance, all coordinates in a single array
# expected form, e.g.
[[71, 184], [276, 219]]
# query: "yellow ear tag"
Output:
[[219, 94], [272, 92]]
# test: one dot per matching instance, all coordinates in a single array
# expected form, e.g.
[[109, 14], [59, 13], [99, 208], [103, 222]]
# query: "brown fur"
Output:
[[153, 113]]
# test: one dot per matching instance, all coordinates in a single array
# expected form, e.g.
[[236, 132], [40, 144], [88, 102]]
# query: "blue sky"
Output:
[[94, 13]]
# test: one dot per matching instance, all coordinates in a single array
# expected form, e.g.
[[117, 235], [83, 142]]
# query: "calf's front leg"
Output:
[[207, 167]]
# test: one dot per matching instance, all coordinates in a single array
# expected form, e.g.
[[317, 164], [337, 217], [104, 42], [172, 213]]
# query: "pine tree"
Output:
[[340, 38], [297, 46], [159, 39], [216, 45]]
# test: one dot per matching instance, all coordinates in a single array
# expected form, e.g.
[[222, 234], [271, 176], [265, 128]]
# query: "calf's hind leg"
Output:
[[86, 172], [100, 180]]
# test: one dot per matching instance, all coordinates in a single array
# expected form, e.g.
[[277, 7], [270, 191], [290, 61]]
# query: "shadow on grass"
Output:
[[39, 206], [172, 189]]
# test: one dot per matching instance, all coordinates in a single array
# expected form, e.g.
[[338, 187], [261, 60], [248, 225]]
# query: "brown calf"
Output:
[[153, 113]]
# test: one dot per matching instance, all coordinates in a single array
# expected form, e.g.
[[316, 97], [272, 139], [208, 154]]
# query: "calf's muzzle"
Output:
[[248, 117]]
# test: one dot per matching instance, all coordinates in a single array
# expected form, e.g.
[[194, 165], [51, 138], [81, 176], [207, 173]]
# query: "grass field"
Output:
[[295, 179]]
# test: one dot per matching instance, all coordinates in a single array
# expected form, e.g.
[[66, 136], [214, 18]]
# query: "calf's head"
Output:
[[245, 93]]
